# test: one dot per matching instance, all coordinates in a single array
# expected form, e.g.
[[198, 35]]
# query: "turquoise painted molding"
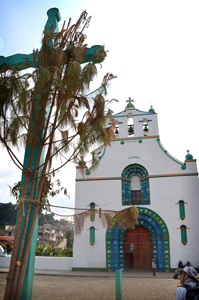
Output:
[[183, 166], [88, 171], [145, 114], [134, 138], [183, 234], [181, 209], [148, 177], [98, 179], [133, 115]]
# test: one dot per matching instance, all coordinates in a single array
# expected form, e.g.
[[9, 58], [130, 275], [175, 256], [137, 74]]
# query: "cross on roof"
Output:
[[130, 104]]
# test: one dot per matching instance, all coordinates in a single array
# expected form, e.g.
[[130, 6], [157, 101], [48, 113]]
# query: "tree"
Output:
[[70, 238], [7, 214], [55, 115]]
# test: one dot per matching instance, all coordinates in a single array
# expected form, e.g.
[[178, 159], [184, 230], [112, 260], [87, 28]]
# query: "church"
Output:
[[136, 170]]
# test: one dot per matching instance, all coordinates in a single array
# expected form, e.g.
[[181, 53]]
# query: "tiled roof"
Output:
[[8, 239]]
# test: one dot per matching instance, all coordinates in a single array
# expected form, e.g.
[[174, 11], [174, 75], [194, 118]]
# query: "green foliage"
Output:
[[57, 252], [39, 250], [47, 219], [8, 248], [62, 84], [8, 214], [15, 190], [48, 251], [69, 252], [69, 234], [50, 188]]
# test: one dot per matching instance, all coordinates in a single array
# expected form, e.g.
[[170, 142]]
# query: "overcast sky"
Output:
[[153, 48]]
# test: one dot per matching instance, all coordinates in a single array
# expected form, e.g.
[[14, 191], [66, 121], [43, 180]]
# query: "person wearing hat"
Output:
[[188, 276], [153, 266]]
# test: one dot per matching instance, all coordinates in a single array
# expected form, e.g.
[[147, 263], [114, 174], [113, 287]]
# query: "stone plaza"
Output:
[[98, 285]]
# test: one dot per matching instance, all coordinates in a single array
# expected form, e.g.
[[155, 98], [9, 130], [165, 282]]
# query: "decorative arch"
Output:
[[115, 259], [127, 174]]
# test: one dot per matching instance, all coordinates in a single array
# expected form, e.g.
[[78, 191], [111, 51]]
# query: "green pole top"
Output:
[[53, 18]]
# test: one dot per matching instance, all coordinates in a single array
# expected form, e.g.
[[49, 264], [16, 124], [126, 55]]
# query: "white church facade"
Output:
[[136, 170]]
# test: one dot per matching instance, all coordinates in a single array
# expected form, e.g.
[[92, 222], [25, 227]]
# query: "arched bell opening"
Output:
[[117, 129], [130, 125], [145, 126]]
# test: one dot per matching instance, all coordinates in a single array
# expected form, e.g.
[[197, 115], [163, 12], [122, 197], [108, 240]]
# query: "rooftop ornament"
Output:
[[130, 105]]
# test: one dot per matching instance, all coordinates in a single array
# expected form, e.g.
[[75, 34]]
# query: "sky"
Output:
[[153, 48]]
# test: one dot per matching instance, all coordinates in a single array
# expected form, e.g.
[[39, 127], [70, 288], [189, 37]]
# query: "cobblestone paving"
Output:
[[97, 288]]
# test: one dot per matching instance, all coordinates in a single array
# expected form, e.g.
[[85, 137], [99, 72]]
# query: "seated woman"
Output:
[[188, 263], [180, 264]]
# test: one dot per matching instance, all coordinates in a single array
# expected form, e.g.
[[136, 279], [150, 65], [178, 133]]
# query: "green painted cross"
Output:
[[130, 105], [24, 61]]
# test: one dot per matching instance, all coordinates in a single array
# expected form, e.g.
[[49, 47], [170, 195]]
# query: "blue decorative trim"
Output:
[[115, 259], [127, 174], [147, 121], [88, 170]]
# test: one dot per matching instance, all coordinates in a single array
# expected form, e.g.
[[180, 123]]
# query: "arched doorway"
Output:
[[115, 252], [138, 248]]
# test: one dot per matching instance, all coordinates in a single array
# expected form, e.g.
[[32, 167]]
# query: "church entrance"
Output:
[[138, 248]]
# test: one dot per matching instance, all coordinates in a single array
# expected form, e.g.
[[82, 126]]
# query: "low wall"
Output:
[[44, 263], [53, 263], [5, 261]]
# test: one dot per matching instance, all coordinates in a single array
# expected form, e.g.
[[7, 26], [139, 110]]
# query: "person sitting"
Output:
[[180, 264], [188, 276], [188, 263]]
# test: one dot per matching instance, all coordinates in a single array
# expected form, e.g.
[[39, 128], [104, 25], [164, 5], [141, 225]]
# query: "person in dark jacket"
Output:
[[180, 264], [187, 276]]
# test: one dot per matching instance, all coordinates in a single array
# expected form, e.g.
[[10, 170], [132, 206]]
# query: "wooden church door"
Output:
[[138, 248]]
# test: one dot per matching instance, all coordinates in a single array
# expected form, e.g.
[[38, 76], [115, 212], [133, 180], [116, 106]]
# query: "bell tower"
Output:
[[136, 123]]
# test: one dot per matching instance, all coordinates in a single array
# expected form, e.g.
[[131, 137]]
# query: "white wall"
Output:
[[168, 182], [44, 263]]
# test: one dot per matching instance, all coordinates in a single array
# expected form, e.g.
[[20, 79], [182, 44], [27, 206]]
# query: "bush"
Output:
[[57, 252], [39, 250]]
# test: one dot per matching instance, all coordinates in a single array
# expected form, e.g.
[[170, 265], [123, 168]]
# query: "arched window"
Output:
[[183, 234], [135, 190], [92, 215], [130, 125], [145, 127], [117, 129], [181, 209], [92, 235], [135, 185]]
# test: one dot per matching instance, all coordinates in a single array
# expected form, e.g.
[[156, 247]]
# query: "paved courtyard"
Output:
[[54, 287]]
